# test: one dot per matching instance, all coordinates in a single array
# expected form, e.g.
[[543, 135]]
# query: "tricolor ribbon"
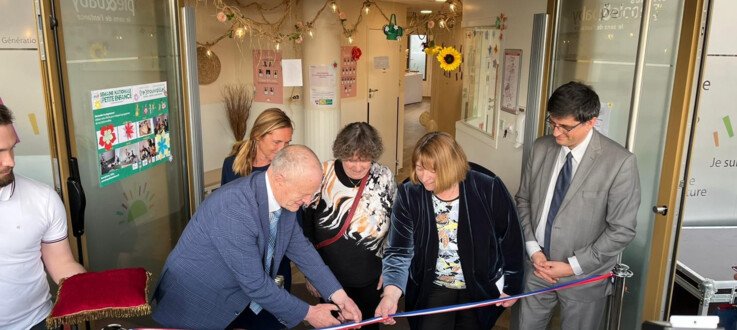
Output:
[[460, 307]]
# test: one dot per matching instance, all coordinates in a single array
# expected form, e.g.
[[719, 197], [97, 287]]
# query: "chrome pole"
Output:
[[621, 273]]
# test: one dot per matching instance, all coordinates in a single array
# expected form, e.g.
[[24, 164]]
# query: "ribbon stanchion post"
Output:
[[620, 273], [459, 307]]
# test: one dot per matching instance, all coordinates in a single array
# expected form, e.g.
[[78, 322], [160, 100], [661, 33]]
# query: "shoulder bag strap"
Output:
[[348, 218]]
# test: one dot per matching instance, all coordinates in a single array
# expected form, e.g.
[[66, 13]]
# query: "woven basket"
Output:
[[208, 66]]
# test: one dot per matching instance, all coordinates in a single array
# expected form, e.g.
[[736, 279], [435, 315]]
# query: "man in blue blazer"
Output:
[[577, 204], [217, 271]]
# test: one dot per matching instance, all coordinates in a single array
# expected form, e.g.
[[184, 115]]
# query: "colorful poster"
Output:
[[132, 128], [267, 76], [322, 86]]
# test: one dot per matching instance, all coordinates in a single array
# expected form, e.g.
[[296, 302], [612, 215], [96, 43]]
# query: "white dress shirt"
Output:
[[577, 152]]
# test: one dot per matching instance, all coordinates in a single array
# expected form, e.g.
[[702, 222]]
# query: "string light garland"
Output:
[[261, 27]]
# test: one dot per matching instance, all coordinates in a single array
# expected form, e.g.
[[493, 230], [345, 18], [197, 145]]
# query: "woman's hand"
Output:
[[388, 304], [508, 303]]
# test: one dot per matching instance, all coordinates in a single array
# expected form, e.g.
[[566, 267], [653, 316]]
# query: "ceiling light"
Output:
[[425, 11]]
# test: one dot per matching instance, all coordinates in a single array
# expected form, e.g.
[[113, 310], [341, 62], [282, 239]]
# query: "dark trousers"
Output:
[[366, 298], [462, 320], [264, 320]]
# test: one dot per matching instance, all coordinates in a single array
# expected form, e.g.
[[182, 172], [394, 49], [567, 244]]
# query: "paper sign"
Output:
[[292, 69], [322, 85], [381, 62]]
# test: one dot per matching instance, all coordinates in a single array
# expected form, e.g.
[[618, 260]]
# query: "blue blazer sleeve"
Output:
[[400, 243], [509, 236]]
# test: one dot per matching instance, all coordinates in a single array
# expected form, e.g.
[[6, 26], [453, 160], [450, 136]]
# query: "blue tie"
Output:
[[561, 186], [273, 225]]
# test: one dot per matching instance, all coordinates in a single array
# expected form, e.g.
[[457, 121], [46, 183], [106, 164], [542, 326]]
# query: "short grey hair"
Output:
[[295, 159], [358, 139]]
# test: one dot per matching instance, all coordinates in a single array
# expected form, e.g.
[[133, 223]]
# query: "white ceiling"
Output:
[[413, 5], [417, 5]]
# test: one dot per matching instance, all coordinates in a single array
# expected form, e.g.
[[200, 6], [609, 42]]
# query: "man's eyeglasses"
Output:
[[565, 128]]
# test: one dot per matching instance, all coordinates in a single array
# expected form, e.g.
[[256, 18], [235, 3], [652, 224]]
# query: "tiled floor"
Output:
[[413, 131]]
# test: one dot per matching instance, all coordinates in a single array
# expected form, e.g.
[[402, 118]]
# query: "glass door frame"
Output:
[[57, 100], [662, 265]]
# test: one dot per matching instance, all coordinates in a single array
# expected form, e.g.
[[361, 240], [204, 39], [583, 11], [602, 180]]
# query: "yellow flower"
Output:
[[449, 58], [432, 51]]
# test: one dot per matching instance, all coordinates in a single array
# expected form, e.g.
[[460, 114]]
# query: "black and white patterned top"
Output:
[[448, 272]]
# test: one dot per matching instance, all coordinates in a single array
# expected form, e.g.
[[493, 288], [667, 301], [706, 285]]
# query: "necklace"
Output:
[[355, 183]]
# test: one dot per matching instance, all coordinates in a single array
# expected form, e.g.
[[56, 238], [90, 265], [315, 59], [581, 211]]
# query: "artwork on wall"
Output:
[[510, 80], [481, 71], [267, 76], [348, 71]]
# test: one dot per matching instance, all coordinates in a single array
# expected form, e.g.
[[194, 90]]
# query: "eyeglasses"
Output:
[[564, 128]]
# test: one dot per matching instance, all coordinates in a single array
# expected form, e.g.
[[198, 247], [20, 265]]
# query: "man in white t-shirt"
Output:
[[33, 235]]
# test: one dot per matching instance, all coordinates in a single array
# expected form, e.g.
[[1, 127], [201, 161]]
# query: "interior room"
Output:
[[132, 112]]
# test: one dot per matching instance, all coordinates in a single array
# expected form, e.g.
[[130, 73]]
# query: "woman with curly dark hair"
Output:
[[349, 222]]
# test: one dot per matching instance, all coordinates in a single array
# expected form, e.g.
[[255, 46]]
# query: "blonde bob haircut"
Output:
[[267, 121], [440, 153]]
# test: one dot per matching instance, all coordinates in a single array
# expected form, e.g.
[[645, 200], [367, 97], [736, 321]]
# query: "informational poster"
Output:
[[348, 69], [322, 85], [267, 76], [132, 128]]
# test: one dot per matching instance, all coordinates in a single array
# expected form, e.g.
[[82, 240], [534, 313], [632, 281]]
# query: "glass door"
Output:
[[596, 42], [121, 80], [704, 256], [24, 93]]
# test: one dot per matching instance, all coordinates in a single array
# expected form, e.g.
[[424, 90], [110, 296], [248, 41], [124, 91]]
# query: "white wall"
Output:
[[236, 67], [21, 89], [505, 160]]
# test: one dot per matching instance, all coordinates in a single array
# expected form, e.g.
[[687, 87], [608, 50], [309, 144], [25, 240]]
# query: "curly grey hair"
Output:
[[358, 139]]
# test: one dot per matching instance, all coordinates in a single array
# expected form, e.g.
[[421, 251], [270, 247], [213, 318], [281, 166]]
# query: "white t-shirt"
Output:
[[31, 213]]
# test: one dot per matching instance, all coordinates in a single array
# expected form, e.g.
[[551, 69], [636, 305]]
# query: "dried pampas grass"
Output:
[[238, 99]]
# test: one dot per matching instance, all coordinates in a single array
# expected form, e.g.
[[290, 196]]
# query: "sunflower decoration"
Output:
[[432, 51], [449, 58]]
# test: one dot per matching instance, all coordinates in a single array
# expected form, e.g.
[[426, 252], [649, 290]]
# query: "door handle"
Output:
[[662, 209], [373, 90], [77, 198]]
